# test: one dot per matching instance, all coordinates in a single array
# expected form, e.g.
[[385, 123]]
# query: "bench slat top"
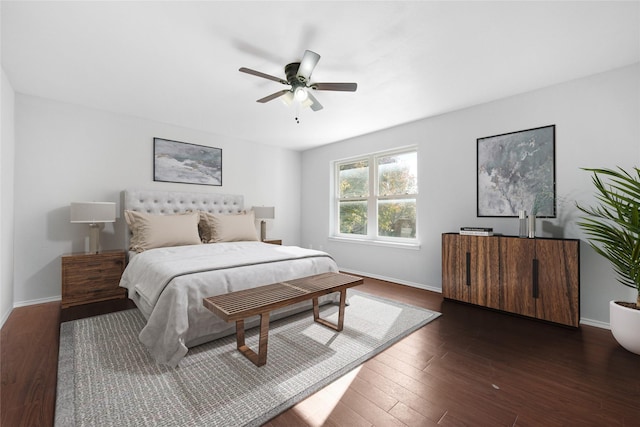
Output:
[[248, 302]]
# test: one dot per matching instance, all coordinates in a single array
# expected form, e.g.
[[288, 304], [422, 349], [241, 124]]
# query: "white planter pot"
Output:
[[625, 326]]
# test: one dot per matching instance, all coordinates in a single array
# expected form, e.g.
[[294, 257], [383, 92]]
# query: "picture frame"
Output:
[[182, 162], [516, 171]]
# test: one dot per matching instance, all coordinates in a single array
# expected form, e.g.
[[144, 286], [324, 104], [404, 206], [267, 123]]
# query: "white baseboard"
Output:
[[5, 316], [595, 323], [36, 301], [391, 279]]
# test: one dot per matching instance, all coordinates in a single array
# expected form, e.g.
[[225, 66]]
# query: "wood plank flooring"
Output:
[[470, 367]]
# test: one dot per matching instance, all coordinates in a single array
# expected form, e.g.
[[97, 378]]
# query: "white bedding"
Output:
[[168, 285]]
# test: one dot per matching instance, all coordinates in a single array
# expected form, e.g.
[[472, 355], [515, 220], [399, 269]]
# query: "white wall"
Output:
[[67, 153], [7, 147], [597, 125]]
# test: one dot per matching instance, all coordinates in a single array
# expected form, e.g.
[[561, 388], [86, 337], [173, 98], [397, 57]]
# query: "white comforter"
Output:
[[168, 285]]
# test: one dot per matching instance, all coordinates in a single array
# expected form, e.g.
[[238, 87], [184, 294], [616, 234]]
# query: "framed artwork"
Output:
[[175, 161], [516, 171]]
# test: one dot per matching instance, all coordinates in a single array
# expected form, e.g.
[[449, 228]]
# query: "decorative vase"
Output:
[[625, 324], [522, 217], [532, 226]]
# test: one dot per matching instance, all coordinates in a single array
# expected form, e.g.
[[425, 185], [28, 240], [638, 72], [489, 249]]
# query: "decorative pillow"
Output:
[[205, 227], [158, 231], [216, 228]]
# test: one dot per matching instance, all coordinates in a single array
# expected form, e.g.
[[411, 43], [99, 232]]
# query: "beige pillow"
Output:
[[227, 228], [158, 231]]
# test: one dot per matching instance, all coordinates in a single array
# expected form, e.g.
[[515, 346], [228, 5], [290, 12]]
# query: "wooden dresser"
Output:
[[88, 277], [538, 278]]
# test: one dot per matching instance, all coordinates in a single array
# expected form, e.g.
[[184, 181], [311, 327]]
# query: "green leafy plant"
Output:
[[613, 226]]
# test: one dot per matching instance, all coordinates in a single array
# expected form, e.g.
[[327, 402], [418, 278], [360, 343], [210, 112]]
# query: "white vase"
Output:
[[625, 324], [532, 226]]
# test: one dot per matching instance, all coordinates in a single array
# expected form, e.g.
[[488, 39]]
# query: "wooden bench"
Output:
[[238, 306]]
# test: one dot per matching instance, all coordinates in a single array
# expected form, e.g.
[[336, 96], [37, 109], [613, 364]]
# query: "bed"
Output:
[[170, 269]]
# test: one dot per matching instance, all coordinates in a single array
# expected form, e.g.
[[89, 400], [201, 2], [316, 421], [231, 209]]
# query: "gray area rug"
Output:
[[106, 377]]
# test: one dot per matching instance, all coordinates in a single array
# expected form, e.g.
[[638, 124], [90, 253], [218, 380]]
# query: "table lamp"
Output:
[[95, 214], [262, 213]]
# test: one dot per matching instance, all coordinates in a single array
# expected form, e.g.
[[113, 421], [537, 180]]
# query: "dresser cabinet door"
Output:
[[484, 269], [516, 265], [454, 268], [558, 287], [470, 269]]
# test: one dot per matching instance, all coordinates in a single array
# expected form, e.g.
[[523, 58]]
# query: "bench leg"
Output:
[[261, 358], [316, 312]]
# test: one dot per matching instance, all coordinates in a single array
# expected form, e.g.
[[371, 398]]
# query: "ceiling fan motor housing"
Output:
[[291, 71]]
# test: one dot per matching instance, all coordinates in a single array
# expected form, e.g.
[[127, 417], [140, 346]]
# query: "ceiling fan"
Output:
[[298, 76]]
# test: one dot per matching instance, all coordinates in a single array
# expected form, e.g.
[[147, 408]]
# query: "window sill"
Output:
[[385, 243]]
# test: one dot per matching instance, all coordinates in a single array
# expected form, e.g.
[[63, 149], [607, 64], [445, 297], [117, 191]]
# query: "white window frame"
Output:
[[372, 199]]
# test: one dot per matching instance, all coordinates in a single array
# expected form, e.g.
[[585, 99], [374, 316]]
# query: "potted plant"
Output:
[[613, 227]]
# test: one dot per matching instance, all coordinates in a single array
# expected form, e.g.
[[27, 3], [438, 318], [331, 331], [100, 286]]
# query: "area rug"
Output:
[[107, 378]]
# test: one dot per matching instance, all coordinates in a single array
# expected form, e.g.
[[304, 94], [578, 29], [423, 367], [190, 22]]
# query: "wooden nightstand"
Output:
[[273, 241], [88, 278]]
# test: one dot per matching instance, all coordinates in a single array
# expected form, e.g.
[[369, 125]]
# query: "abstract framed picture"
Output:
[[175, 161], [516, 171]]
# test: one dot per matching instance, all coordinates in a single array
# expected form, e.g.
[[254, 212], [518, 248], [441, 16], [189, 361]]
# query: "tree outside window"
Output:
[[354, 191]]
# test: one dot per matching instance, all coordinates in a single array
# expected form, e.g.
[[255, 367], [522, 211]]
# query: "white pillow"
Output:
[[158, 231], [230, 228]]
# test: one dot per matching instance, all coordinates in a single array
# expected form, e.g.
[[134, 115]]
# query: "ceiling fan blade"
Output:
[[272, 96], [263, 75], [315, 105], [344, 87], [308, 63]]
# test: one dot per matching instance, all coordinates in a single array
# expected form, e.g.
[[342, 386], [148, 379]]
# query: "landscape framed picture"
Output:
[[175, 161], [516, 171]]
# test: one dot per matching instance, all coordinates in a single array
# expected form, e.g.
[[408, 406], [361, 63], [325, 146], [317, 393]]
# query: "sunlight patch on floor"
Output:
[[317, 408]]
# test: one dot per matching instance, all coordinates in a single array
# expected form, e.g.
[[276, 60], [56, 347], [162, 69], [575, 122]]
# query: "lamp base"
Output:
[[94, 237], [263, 231]]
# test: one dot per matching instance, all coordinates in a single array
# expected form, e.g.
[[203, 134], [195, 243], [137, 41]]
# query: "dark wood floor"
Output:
[[470, 367]]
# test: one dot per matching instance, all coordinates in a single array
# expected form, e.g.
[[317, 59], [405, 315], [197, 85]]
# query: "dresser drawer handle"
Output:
[[536, 278], [468, 266]]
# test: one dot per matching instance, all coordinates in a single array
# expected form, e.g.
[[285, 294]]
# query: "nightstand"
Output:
[[273, 241], [88, 277]]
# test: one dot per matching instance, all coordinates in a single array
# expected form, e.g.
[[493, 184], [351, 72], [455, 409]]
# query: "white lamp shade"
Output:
[[287, 98], [264, 212], [93, 212]]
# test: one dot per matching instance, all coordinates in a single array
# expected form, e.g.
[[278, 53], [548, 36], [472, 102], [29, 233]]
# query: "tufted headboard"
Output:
[[171, 202]]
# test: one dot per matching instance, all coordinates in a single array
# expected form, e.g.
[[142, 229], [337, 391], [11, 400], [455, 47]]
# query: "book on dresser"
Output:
[[476, 231]]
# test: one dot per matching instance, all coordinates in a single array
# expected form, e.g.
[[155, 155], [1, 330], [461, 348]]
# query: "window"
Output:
[[376, 196]]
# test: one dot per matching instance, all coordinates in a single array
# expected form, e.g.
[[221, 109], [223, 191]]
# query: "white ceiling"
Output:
[[177, 62]]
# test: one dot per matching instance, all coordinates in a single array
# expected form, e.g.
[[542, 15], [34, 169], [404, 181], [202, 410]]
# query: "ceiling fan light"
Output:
[[287, 98], [301, 94]]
